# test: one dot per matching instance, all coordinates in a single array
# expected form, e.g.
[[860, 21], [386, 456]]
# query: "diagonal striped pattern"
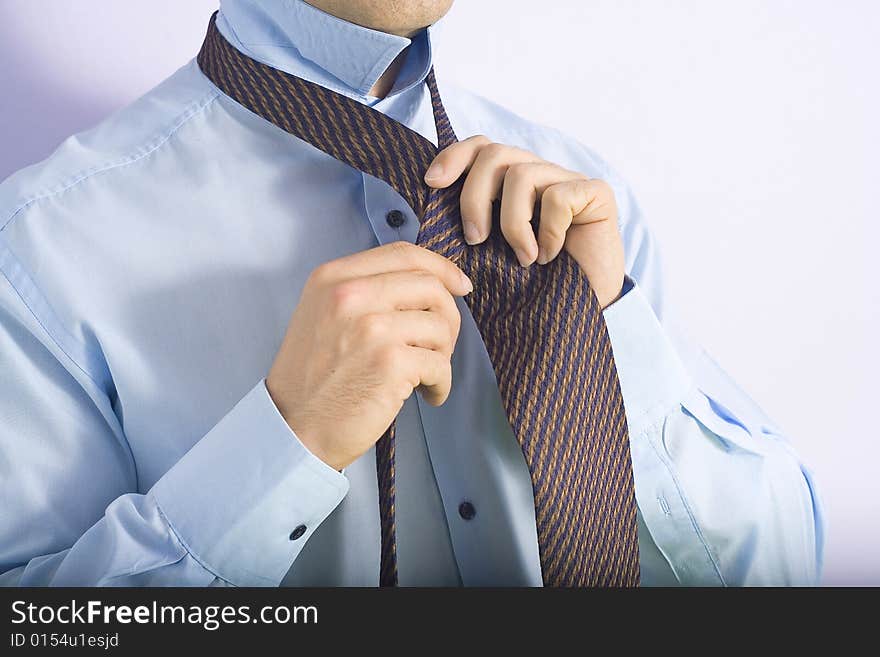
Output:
[[542, 327]]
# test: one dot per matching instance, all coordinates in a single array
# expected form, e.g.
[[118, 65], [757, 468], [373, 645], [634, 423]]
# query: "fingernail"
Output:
[[523, 257], [434, 172], [471, 234], [542, 256], [533, 251], [468, 285]]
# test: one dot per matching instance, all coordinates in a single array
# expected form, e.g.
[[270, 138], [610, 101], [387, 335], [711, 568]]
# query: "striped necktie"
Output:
[[542, 327]]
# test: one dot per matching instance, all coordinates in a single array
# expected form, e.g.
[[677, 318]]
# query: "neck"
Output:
[[386, 82]]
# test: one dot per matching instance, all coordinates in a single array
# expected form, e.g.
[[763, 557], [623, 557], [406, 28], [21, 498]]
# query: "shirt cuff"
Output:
[[653, 380], [235, 499]]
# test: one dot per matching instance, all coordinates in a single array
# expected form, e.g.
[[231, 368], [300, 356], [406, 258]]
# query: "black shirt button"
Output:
[[298, 532], [467, 510], [395, 218]]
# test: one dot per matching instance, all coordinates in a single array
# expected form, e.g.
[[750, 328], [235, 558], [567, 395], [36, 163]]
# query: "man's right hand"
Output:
[[368, 330]]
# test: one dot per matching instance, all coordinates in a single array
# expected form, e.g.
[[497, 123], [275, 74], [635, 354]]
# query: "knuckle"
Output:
[[552, 231], [444, 372], [600, 184], [402, 246], [407, 252], [439, 370], [373, 327], [454, 316], [608, 193], [428, 284], [435, 285], [321, 274], [446, 303], [388, 358], [344, 295], [440, 327], [480, 140], [451, 334], [554, 195], [495, 152], [596, 187], [602, 192], [520, 170], [431, 365], [426, 277], [584, 187], [445, 273]]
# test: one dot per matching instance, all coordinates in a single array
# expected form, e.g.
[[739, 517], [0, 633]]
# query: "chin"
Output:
[[401, 17]]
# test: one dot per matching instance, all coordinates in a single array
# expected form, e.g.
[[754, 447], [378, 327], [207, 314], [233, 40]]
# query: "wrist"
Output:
[[610, 291], [626, 285], [306, 435], [316, 447]]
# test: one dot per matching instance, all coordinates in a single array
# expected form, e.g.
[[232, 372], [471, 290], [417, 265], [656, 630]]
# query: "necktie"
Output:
[[542, 327]]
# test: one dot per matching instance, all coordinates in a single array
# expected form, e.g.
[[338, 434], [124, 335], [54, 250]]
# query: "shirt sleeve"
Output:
[[723, 496], [72, 514]]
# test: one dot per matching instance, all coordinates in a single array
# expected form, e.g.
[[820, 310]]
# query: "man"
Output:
[[167, 421]]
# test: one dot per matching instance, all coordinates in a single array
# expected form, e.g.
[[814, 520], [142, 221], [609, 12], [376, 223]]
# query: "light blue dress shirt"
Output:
[[150, 267]]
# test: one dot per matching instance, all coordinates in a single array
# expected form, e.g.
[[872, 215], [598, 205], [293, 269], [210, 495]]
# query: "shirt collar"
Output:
[[295, 37]]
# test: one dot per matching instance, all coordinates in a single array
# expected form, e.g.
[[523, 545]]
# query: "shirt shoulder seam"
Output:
[[9, 262], [145, 149]]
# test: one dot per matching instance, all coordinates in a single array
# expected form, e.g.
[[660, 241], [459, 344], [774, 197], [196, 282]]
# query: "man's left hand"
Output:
[[578, 213]]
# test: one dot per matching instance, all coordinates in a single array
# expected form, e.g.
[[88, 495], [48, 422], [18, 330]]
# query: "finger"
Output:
[[396, 291], [453, 161], [432, 371], [415, 328], [592, 200], [483, 185], [397, 256], [556, 218], [523, 184]]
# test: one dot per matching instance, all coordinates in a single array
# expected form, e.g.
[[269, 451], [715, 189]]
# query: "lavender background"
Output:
[[748, 128]]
